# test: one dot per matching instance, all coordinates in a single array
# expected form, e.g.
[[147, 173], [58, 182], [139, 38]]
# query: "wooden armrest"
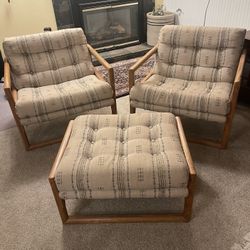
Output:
[[7, 81], [240, 66], [141, 61], [61, 150], [105, 64], [237, 79], [185, 147], [11, 93], [99, 58]]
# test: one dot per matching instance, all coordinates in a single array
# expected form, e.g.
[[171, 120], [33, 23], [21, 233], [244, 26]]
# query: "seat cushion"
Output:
[[63, 99], [123, 156], [180, 96]]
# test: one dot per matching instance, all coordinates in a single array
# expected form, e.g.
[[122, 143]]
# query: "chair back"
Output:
[[48, 58], [199, 53]]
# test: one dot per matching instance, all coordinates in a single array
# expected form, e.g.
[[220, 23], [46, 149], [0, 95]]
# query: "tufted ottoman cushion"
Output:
[[123, 156]]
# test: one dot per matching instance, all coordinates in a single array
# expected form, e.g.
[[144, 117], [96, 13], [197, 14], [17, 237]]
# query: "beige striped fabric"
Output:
[[193, 73], [41, 104], [196, 99], [48, 58], [123, 156], [199, 53], [54, 76]]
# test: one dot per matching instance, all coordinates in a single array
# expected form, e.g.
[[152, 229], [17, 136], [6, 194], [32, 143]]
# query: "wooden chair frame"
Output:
[[183, 216], [11, 95], [221, 142]]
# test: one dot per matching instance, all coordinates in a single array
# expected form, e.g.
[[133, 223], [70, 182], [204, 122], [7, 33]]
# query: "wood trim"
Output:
[[110, 69], [188, 203], [140, 62], [185, 146], [147, 77], [143, 59], [240, 66], [99, 75], [7, 80], [60, 202], [126, 218], [99, 58], [61, 149], [206, 142]]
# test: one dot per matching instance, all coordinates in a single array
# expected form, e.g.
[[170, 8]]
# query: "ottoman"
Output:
[[142, 155]]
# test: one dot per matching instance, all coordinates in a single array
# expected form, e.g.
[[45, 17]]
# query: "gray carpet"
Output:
[[221, 215]]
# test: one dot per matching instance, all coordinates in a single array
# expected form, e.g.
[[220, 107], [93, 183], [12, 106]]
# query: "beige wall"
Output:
[[25, 17]]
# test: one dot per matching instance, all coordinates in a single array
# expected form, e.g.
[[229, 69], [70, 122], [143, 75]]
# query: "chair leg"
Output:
[[114, 108], [226, 132], [132, 110], [24, 136]]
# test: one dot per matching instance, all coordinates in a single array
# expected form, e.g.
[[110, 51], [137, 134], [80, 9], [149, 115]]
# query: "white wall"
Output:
[[25, 17], [233, 13]]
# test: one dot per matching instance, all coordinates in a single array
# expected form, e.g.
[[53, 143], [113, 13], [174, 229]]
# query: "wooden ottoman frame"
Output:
[[183, 216]]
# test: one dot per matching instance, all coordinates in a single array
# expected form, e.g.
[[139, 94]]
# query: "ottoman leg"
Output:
[[59, 202], [188, 203]]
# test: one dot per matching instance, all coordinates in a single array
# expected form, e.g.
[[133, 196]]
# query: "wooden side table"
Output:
[[244, 94]]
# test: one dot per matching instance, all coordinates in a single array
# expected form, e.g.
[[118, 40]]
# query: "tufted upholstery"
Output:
[[48, 58], [195, 99], [193, 74], [54, 76], [45, 103], [199, 53], [123, 156]]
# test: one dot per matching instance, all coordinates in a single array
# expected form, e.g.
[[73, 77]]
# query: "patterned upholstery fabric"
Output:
[[54, 76], [123, 156], [199, 53], [48, 58], [194, 71], [195, 99], [45, 103]]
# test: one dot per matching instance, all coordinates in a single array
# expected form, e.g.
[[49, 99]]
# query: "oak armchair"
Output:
[[50, 75], [197, 74]]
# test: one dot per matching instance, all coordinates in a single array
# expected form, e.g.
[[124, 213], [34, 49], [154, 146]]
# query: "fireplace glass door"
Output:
[[111, 25]]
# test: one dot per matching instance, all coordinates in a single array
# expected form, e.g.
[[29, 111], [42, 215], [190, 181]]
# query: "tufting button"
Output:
[[31, 72], [92, 142]]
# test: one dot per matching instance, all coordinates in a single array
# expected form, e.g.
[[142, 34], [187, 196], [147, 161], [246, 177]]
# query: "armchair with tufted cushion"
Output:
[[50, 75], [197, 74]]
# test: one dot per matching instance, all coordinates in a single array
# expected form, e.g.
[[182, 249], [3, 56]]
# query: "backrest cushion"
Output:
[[48, 58], [199, 53]]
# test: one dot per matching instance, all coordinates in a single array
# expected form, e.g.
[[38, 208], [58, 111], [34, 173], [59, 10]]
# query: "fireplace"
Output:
[[111, 25], [108, 24]]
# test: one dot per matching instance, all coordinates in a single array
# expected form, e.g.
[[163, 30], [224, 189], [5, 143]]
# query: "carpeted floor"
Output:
[[221, 219]]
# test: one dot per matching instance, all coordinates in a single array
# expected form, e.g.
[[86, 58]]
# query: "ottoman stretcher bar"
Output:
[[149, 155]]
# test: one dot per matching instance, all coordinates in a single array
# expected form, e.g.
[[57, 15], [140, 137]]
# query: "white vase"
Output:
[[154, 25]]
